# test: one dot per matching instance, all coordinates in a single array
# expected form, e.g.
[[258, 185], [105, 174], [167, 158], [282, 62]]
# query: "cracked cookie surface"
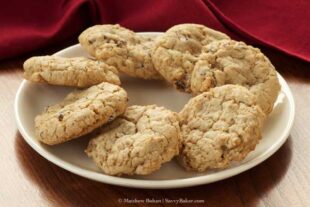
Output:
[[76, 71], [80, 113], [138, 142], [129, 52], [232, 62], [219, 127], [177, 51]]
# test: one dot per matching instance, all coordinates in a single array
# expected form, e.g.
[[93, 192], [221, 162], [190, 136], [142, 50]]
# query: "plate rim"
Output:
[[155, 184]]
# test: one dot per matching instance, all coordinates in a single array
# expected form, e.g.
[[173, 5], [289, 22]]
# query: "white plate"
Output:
[[31, 99]]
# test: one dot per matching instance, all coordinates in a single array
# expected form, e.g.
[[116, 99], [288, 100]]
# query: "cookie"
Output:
[[232, 62], [138, 142], [219, 127], [76, 71], [129, 52], [80, 113], [177, 51]]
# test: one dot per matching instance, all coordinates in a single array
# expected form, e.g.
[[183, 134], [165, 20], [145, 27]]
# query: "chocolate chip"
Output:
[[91, 41], [60, 117], [180, 85], [140, 65], [120, 43], [111, 118]]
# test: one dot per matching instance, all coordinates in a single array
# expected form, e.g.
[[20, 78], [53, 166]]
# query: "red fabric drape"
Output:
[[32, 24]]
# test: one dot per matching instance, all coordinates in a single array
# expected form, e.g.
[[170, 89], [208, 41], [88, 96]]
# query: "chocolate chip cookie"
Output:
[[232, 62], [138, 142], [129, 52], [80, 113], [178, 49], [219, 127], [76, 71]]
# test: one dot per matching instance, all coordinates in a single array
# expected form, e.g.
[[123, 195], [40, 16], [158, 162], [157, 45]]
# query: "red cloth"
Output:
[[32, 24]]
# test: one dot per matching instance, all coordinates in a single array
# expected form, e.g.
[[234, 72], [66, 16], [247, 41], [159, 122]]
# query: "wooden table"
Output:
[[27, 179]]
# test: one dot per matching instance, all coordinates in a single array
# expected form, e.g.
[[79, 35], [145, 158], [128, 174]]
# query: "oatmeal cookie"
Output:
[[129, 52], [80, 113], [76, 71], [138, 142], [218, 127], [177, 51], [232, 62]]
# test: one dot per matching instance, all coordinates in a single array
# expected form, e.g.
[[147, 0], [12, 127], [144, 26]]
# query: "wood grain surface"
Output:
[[27, 179]]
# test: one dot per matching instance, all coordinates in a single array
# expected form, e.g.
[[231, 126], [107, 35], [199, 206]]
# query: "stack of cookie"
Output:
[[234, 88]]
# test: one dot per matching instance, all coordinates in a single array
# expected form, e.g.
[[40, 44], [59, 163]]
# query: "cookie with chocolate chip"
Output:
[[219, 127], [232, 62], [80, 113], [122, 48], [76, 71], [137, 142], [177, 51]]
